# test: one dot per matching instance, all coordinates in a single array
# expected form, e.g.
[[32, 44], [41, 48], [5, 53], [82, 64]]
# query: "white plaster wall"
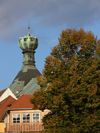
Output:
[[6, 120], [7, 93]]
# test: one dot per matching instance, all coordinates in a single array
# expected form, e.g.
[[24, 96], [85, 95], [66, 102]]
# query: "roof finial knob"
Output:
[[28, 30]]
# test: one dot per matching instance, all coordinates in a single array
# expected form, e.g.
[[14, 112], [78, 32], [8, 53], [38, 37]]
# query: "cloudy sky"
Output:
[[47, 18]]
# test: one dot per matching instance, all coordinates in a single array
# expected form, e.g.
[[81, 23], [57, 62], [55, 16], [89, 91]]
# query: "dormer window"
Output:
[[9, 105]]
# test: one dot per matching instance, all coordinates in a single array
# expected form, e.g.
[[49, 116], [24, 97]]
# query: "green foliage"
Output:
[[70, 85]]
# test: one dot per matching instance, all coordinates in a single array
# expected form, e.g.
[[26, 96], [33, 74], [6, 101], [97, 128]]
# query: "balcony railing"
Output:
[[34, 126]]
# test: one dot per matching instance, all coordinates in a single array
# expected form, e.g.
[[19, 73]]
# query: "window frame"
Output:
[[23, 121], [16, 118], [39, 116]]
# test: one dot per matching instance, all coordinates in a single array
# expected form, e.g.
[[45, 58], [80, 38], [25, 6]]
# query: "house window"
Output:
[[26, 117], [16, 118], [36, 117]]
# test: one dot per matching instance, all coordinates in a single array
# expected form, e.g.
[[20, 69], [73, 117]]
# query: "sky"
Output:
[[47, 19]]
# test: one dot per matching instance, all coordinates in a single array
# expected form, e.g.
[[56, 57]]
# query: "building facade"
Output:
[[21, 116]]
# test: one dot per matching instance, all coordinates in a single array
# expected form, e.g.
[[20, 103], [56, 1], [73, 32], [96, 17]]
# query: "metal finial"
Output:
[[28, 29]]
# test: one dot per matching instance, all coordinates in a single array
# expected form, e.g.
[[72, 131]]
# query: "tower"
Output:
[[25, 82]]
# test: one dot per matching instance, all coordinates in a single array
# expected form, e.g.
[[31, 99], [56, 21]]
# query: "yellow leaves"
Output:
[[73, 67], [74, 90], [91, 105], [70, 83], [42, 81], [92, 89], [98, 47]]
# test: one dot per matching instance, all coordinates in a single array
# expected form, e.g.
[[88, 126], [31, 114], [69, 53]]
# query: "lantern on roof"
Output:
[[28, 44]]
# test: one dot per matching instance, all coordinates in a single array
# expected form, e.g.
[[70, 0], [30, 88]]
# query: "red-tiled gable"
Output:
[[5, 104], [22, 102], [1, 92]]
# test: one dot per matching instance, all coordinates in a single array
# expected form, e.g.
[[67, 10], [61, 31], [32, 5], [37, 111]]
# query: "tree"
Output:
[[70, 85]]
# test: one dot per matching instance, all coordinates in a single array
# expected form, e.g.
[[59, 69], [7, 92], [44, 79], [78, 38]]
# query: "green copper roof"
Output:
[[28, 42], [30, 88], [25, 82]]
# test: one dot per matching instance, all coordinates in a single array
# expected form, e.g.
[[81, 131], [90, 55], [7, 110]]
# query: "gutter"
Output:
[[20, 109]]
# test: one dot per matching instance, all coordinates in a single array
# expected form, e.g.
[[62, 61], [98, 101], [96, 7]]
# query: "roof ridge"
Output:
[[2, 91]]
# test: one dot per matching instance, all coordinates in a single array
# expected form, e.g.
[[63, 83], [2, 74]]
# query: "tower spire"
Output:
[[28, 29]]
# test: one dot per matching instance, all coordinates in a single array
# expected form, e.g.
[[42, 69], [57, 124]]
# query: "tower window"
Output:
[[25, 39], [31, 39]]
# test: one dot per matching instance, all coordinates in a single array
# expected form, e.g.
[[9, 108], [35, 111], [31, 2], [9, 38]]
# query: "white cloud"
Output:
[[53, 41], [51, 13]]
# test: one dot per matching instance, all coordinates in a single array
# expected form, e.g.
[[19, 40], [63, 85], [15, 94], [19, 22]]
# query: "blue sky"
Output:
[[47, 18]]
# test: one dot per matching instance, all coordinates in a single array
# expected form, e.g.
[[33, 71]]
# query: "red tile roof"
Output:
[[22, 102], [4, 105]]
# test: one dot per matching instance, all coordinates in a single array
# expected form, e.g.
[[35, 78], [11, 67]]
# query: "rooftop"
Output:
[[5, 104], [22, 103]]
